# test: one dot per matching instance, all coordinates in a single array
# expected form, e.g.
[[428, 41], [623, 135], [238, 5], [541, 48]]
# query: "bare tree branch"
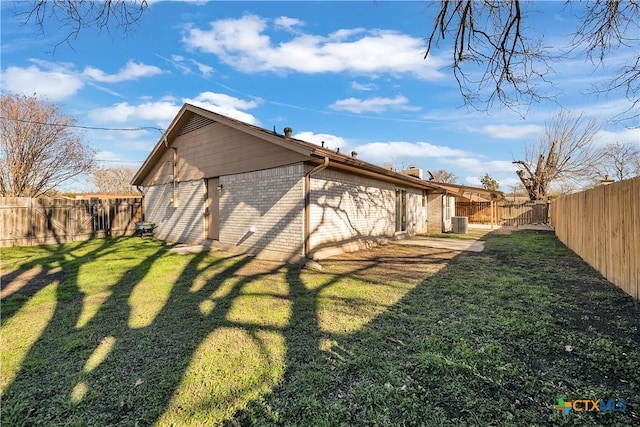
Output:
[[566, 153], [76, 15], [618, 161], [116, 180], [495, 60], [490, 34], [38, 152], [443, 176]]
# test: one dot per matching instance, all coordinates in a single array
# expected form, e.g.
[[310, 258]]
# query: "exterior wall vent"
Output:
[[195, 122]]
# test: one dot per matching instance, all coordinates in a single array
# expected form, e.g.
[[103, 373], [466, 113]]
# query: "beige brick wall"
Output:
[[182, 222], [262, 212], [350, 212]]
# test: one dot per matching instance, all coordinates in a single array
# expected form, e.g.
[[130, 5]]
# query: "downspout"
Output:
[[175, 171], [307, 203], [141, 190]]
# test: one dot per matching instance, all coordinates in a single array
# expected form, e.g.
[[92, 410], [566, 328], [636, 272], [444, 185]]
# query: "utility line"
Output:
[[138, 129]]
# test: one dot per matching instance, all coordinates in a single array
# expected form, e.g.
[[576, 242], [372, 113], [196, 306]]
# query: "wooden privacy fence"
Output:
[[504, 213], [525, 213], [478, 212], [26, 222], [602, 226]]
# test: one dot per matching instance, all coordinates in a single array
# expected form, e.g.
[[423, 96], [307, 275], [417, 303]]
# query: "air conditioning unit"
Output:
[[460, 224]]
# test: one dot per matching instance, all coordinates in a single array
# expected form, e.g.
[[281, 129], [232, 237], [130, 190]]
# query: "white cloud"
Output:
[[503, 131], [131, 71], [330, 141], [378, 152], [160, 112], [363, 87], [55, 85], [286, 23], [227, 105], [243, 44], [163, 111], [204, 69], [376, 104], [631, 136]]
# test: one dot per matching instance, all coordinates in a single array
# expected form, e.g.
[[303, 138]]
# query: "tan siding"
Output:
[[217, 150], [162, 171], [183, 222]]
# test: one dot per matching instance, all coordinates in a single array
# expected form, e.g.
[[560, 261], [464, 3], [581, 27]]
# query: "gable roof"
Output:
[[313, 152]]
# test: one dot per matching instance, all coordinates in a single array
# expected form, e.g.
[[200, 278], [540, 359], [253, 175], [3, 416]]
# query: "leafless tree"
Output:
[[443, 176], [75, 15], [566, 153], [38, 149], [618, 161], [497, 57], [114, 180]]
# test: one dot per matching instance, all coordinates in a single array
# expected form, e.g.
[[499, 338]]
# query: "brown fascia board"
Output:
[[346, 163]]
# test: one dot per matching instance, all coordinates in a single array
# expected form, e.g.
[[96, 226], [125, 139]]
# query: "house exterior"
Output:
[[214, 177]]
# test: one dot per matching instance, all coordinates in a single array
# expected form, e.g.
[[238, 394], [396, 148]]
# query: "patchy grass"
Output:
[[124, 332]]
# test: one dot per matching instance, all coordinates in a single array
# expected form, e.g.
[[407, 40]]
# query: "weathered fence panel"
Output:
[[514, 214], [479, 212], [25, 221], [525, 213], [602, 225]]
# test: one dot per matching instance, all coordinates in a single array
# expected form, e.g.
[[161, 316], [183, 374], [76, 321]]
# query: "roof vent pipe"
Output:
[[354, 154], [287, 132]]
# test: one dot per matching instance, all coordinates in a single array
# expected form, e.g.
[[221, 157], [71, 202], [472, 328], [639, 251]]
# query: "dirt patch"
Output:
[[392, 261]]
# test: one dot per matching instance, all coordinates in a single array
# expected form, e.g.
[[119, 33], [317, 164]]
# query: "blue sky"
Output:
[[352, 74]]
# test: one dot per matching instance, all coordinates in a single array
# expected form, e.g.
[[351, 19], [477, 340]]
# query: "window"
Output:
[[401, 211]]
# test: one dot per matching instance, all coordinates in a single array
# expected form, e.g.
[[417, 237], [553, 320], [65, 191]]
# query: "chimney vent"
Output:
[[287, 132], [354, 154]]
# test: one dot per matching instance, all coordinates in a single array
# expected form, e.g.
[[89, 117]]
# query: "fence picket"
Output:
[[26, 222], [602, 225]]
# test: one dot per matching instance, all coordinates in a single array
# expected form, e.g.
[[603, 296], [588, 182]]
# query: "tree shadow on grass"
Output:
[[481, 342], [475, 342], [123, 364]]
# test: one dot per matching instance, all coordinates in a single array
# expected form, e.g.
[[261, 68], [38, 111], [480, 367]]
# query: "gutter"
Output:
[[307, 203]]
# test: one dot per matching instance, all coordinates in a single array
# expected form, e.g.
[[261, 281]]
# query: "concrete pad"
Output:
[[439, 243]]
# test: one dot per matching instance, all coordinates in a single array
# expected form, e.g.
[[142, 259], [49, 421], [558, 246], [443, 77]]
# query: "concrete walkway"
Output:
[[439, 243]]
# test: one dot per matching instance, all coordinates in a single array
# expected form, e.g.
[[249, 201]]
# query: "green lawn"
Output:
[[124, 332]]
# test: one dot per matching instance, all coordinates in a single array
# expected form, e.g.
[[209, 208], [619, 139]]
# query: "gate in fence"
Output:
[[26, 221]]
